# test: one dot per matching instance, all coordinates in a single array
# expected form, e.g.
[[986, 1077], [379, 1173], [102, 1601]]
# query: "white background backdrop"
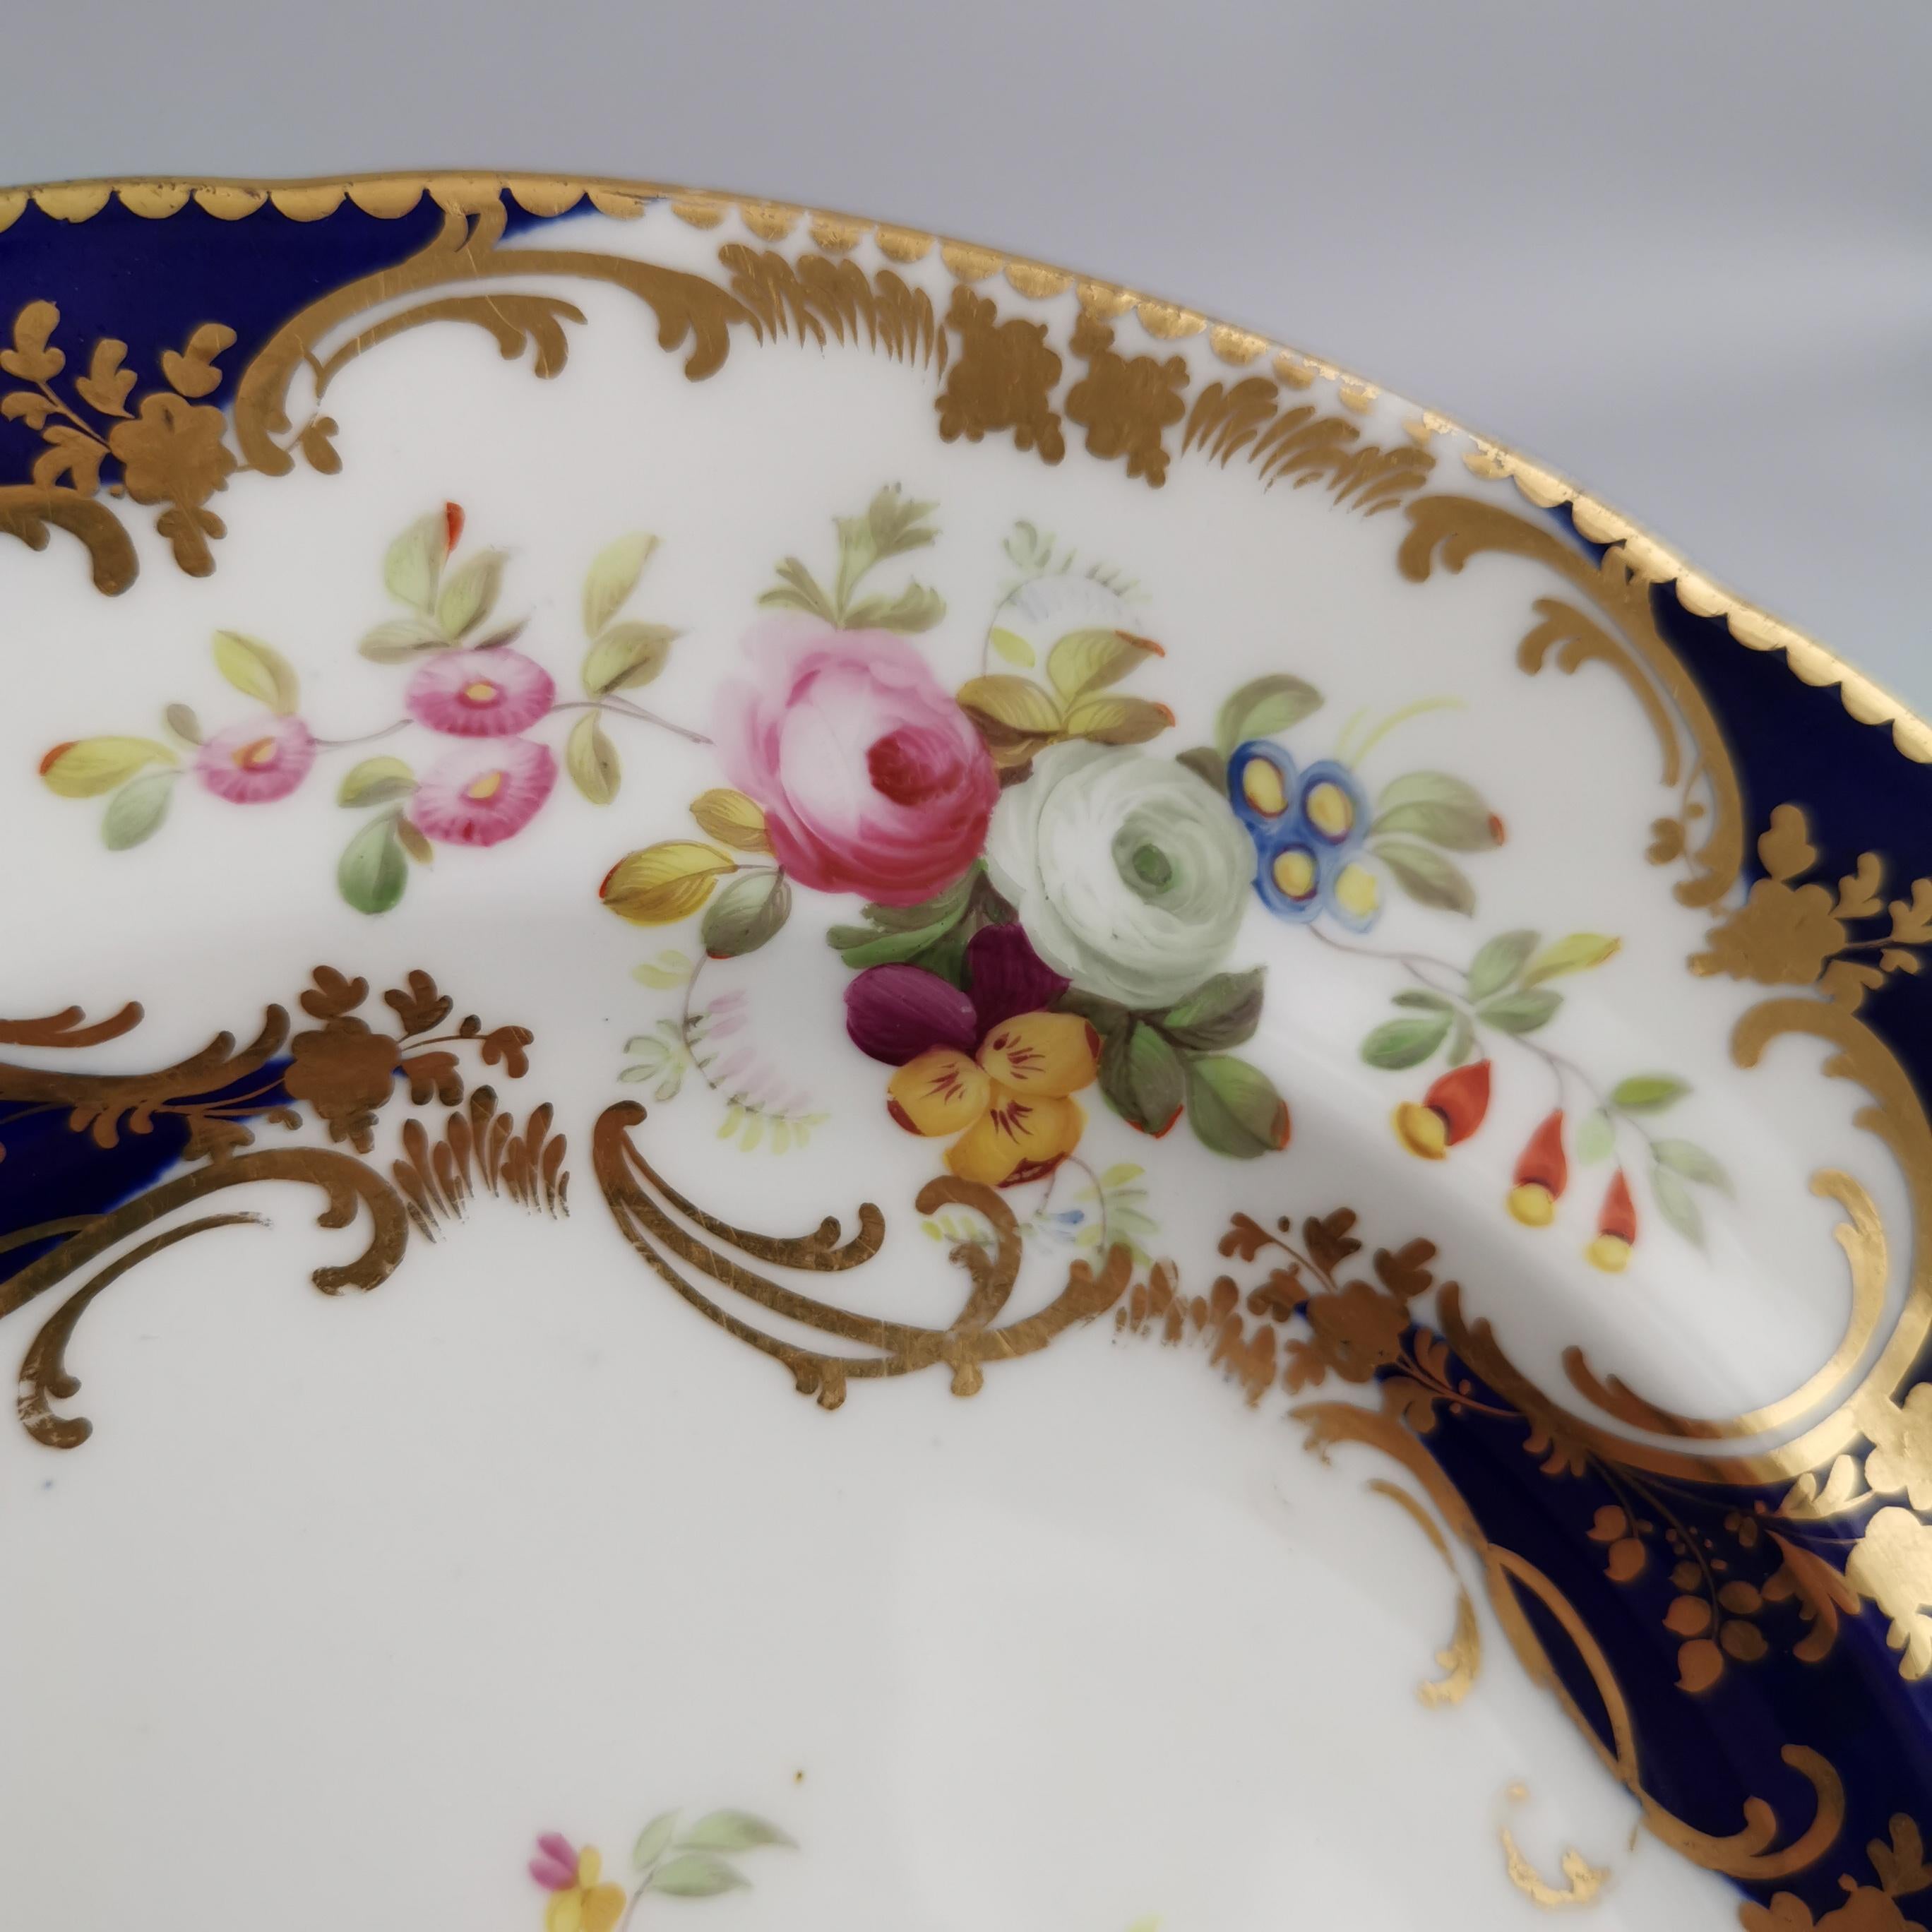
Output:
[[1684, 253]]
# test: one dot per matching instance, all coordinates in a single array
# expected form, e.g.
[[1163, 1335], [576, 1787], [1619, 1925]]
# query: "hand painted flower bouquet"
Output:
[[1048, 906]]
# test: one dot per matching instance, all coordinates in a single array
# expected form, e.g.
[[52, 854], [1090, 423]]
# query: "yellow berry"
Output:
[[1532, 1204], [1356, 891], [1607, 1252], [1295, 872], [1422, 1130], [1330, 810], [1261, 787]]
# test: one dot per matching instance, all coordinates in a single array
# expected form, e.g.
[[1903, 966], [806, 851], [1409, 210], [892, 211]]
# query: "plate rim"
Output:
[[389, 194]]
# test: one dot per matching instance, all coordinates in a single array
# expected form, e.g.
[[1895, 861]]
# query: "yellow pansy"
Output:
[[1010, 1105]]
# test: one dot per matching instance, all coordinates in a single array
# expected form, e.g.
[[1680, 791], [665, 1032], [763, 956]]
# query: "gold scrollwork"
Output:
[[1462, 1657], [465, 252], [26, 510], [1457, 528], [341, 1066], [1747, 1853], [640, 1200]]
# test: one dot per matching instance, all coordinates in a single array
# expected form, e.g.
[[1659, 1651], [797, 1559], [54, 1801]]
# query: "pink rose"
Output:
[[872, 779], [482, 792], [261, 759], [487, 694]]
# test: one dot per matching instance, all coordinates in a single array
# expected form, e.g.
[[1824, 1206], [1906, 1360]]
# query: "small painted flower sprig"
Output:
[[1321, 848], [468, 684], [1503, 993], [713, 1038], [666, 1862]]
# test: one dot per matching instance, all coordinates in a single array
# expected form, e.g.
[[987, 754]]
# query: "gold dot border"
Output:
[[389, 196]]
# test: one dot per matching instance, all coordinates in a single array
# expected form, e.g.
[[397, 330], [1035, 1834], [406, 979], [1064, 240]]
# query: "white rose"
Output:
[[1129, 875]]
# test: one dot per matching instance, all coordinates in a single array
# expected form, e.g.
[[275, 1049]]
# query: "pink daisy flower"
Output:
[[481, 793], [261, 758], [479, 693]]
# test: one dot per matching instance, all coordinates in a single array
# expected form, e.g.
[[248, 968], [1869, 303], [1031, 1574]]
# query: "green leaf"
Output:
[[1648, 1092], [373, 870], [942, 909], [1261, 708], [1234, 1107], [1014, 648], [415, 841], [469, 592], [1219, 1014], [733, 1831], [135, 812], [89, 767], [1687, 1158], [401, 639], [1462, 1038], [893, 934], [626, 656], [1015, 706], [1396, 1044], [654, 1839], [1425, 876], [415, 560], [914, 609], [1431, 1002], [861, 945], [1498, 962], [181, 720], [1119, 1174], [592, 760], [1208, 765], [1521, 1013], [1596, 1137], [612, 577], [1677, 1203], [745, 914], [694, 1875], [258, 670], [798, 589], [1106, 1017], [670, 968], [1143, 1078], [376, 781], [892, 525], [1446, 811], [1090, 660], [1575, 953], [503, 634]]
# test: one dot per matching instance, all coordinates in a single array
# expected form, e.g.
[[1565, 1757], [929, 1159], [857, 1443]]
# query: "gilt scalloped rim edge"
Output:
[[389, 196]]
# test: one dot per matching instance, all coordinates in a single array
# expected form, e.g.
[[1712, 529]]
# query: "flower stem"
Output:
[[630, 710], [365, 738]]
